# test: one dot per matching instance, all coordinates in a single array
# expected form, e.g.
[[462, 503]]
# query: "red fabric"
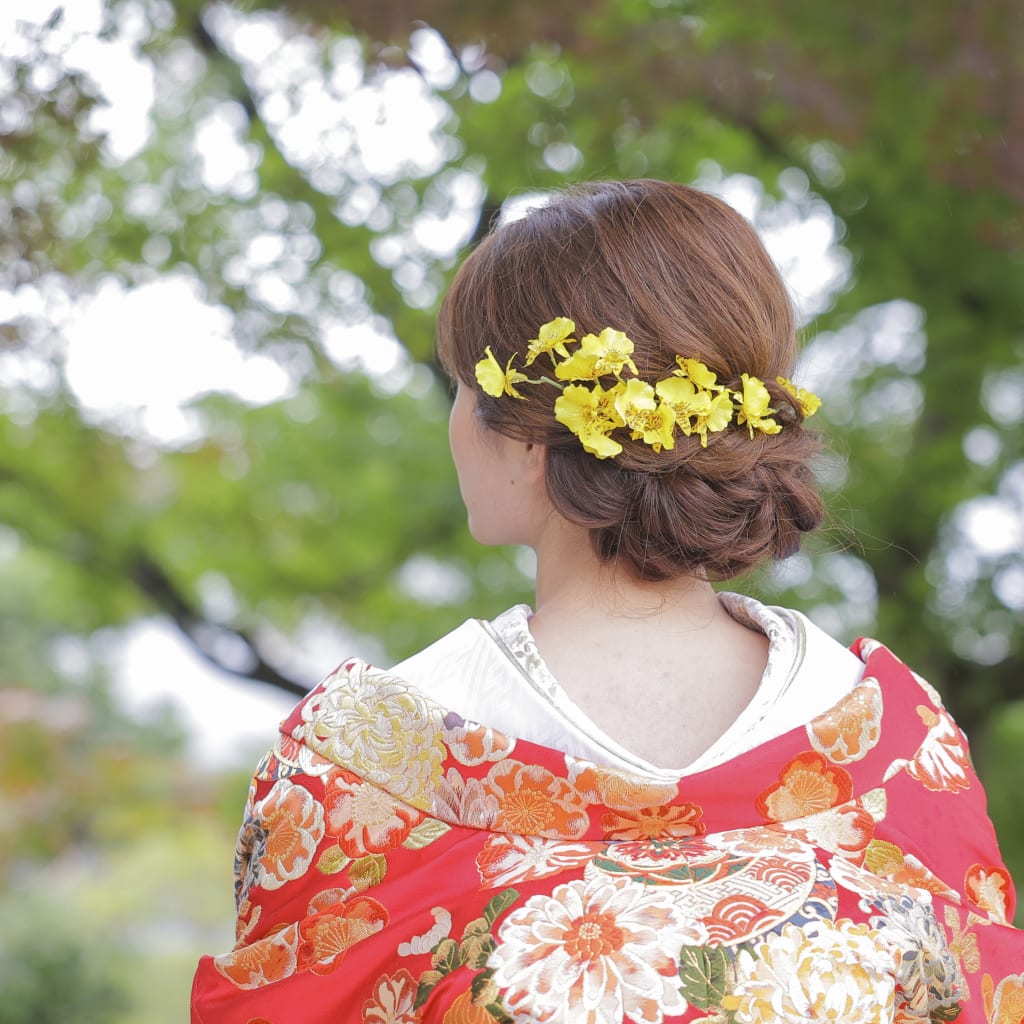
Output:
[[398, 864]]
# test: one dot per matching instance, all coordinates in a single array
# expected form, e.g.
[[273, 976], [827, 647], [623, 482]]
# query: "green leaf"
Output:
[[499, 1013], [481, 982], [499, 904], [475, 950], [446, 957], [428, 979], [332, 860], [708, 974], [368, 871], [426, 832]]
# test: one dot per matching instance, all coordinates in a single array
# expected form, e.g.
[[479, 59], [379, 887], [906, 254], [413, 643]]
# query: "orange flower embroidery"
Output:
[[852, 728], [761, 839], [888, 861], [941, 762], [990, 888], [806, 785], [465, 1011], [595, 950], [290, 823], [393, 1001], [1004, 1004], [365, 818], [246, 920], [845, 830], [617, 789], [533, 801], [676, 822], [471, 744], [261, 963], [510, 859], [325, 938]]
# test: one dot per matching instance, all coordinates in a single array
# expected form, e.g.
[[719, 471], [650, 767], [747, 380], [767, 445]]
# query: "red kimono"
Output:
[[398, 864]]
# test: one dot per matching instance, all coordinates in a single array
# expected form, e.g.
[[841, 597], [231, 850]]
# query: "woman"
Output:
[[641, 800]]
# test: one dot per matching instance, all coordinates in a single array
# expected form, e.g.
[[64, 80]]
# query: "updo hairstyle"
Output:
[[680, 272]]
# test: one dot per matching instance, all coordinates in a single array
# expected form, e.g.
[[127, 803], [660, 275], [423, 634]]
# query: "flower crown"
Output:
[[689, 399]]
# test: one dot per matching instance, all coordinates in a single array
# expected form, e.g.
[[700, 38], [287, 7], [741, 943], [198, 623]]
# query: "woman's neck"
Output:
[[573, 582], [661, 667]]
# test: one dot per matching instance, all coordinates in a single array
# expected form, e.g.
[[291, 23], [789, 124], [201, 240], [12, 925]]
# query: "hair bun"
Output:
[[708, 516], [681, 274]]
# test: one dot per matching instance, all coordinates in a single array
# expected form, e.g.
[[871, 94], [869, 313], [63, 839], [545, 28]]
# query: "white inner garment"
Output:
[[492, 672]]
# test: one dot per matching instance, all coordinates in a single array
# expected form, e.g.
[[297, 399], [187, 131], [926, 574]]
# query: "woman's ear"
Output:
[[535, 458]]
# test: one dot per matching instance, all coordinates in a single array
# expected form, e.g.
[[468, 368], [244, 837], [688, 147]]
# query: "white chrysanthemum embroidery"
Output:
[[929, 977], [462, 801], [511, 859], [842, 972], [597, 951], [379, 727]]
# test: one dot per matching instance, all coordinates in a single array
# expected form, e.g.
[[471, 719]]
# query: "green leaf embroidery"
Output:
[[446, 956], [481, 983], [426, 832], [428, 979], [368, 871], [499, 1013], [478, 926], [332, 861], [708, 974], [475, 950], [499, 904]]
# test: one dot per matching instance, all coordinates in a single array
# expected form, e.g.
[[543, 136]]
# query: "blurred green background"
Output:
[[224, 231]]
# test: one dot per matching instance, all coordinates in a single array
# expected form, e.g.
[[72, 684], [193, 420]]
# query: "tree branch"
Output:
[[212, 641]]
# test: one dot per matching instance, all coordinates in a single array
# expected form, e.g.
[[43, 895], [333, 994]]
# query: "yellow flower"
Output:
[[496, 381], [551, 337], [697, 411], [698, 373], [754, 407], [718, 417], [598, 355], [685, 398], [809, 402], [645, 416], [591, 415]]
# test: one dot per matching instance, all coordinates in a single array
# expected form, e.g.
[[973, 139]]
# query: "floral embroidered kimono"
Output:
[[399, 864]]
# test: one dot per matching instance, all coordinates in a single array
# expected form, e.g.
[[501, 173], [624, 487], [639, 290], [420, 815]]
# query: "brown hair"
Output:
[[680, 272]]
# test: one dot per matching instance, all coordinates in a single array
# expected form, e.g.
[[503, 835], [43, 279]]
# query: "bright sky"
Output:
[[226, 718], [377, 132], [188, 351]]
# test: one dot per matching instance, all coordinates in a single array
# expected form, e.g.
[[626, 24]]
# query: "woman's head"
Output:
[[680, 273]]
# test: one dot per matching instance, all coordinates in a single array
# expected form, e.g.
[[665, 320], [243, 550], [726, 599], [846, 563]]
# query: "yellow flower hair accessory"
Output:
[[754, 407], [690, 398], [551, 337], [591, 415], [809, 402], [496, 381]]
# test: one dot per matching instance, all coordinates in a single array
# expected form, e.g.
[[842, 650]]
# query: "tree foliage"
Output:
[[892, 133], [115, 863], [897, 125]]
